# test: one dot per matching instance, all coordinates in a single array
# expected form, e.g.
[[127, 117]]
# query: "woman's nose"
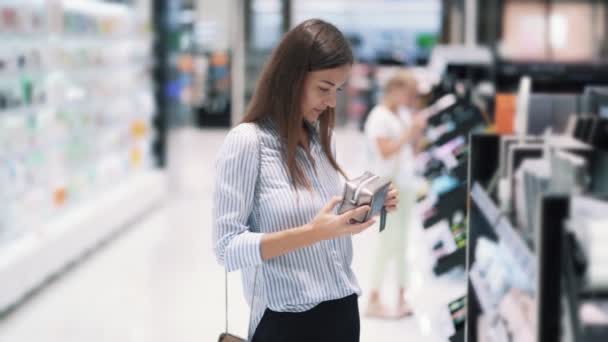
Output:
[[331, 101]]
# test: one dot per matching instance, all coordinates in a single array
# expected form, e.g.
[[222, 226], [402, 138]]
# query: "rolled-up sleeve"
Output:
[[237, 165]]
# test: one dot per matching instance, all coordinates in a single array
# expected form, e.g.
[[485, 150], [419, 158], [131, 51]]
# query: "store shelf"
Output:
[[18, 74], [449, 136], [448, 262], [591, 333], [463, 130], [45, 251], [461, 171], [447, 204], [459, 336], [520, 250], [505, 231], [551, 76], [481, 290], [485, 204]]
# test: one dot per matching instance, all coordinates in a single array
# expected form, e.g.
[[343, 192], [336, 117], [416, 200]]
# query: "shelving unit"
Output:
[[554, 211], [540, 261], [446, 153], [483, 160], [481, 290], [564, 263], [449, 207], [28, 262], [504, 230], [448, 262], [458, 337], [447, 204], [76, 132], [571, 293]]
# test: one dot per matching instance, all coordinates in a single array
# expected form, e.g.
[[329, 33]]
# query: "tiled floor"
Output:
[[159, 282]]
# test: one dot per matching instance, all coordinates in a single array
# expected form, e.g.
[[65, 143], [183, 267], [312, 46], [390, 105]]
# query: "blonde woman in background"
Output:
[[391, 130]]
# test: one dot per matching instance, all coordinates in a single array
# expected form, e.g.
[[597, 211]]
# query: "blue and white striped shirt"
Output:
[[253, 195]]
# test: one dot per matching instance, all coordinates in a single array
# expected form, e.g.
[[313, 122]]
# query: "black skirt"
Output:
[[333, 320]]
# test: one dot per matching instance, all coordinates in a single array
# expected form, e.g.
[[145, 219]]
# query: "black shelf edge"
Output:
[[459, 336]]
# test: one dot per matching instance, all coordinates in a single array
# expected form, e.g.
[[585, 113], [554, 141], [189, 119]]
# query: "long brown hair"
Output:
[[310, 46]]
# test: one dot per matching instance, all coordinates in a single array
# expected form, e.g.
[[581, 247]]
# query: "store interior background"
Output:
[[112, 112]]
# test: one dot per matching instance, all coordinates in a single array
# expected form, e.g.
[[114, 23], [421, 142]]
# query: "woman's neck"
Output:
[[305, 136]]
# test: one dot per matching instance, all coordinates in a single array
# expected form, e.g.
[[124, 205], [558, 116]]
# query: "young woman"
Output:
[[277, 188], [391, 129]]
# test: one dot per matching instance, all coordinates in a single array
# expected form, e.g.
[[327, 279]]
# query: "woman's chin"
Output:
[[312, 119]]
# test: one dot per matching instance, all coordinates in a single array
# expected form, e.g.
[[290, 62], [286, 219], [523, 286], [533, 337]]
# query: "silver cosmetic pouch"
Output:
[[367, 189]]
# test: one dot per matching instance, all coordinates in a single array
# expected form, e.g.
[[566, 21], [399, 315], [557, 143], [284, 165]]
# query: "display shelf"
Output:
[[505, 231], [17, 115], [499, 333], [459, 336], [483, 163], [570, 278], [448, 262], [594, 334], [73, 164], [553, 212], [485, 204], [550, 76], [542, 262], [101, 41], [437, 119], [445, 138], [460, 128], [16, 74], [28, 262], [95, 73], [460, 171], [480, 287], [25, 40], [447, 204], [521, 251]]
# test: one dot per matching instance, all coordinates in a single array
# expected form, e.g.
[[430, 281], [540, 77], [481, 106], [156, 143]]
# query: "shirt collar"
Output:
[[313, 128]]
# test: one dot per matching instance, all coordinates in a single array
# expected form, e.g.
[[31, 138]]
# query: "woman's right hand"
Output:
[[328, 225], [419, 123]]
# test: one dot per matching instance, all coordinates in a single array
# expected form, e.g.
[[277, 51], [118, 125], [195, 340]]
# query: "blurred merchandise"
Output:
[[213, 78], [61, 139], [76, 112]]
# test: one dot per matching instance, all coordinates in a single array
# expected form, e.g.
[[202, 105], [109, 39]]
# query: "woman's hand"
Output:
[[327, 225], [419, 124], [392, 199]]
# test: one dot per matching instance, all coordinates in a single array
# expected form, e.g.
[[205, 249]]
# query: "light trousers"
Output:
[[393, 240]]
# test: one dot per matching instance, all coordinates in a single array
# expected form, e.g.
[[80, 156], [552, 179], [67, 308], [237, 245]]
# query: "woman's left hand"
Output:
[[392, 199]]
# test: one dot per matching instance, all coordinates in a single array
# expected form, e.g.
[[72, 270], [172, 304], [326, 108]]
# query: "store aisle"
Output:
[[159, 281]]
